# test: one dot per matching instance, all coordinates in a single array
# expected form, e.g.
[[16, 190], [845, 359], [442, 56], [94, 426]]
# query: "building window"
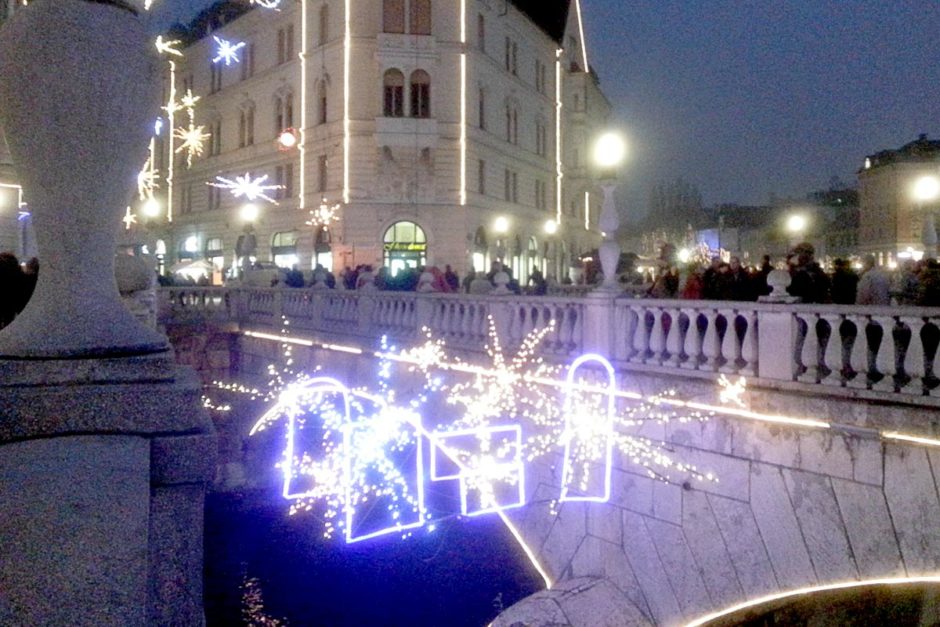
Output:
[[248, 61], [187, 83], [324, 24], [284, 249], [186, 201], [394, 94], [405, 245], [393, 16], [541, 138], [215, 141], [321, 173], [540, 74], [246, 126], [214, 199], [511, 186], [541, 194], [420, 17], [215, 77], [482, 109], [512, 124], [285, 44], [512, 57], [321, 102], [481, 32], [420, 94], [481, 176], [283, 112], [284, 176]]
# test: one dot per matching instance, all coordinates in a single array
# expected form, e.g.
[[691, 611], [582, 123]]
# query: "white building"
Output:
[[425, 122]]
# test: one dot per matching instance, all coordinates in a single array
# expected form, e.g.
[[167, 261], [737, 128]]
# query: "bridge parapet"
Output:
[[875, 353]]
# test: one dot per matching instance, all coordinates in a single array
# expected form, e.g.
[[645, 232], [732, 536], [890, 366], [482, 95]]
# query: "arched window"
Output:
[[393, 16], [393, 87], [406, 246], [420, 94], [420, 17], [322, 102], [284, 249], [246, 125], [283, 111]]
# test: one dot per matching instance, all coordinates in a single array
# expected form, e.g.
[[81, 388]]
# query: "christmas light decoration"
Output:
[[267, 4], [286, 139], [129, 219], [193, 140], [168, 47], [226, 51], [324, 215], [248, 187]]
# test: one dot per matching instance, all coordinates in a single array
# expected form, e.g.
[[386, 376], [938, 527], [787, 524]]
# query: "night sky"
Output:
[[751, 98]]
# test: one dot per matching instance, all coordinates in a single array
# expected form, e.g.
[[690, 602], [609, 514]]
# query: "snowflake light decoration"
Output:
[[168, 47], [226, 51], [324, 215], [193, 141], [247, 187]]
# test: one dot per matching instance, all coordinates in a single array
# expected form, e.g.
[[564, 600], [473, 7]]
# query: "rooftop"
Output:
[[921, 149]]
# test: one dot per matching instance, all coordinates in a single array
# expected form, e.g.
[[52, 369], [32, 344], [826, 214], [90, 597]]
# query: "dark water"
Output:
[[460, 575]]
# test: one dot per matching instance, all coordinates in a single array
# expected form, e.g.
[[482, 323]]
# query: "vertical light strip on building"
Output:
[[463, 102], [347, 45], [587, 211], [587, 68], [302, 146], [171, 111], [558, 164]]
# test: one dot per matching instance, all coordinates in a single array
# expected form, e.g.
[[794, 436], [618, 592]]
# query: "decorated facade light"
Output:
[[226, 51], [267, 4], [129, 219], [168, 47], [150, 208], [246, 187], [192, 140], [287, 139], [324, 215]]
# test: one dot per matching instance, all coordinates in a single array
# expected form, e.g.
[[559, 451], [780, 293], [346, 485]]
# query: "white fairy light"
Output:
[[193, 141], [247, 187], [129, 219], [227, 51], [267, 4], [168, 47], [324, 215]]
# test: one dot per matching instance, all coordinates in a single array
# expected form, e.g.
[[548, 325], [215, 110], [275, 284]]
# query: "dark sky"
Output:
[[748, 98]]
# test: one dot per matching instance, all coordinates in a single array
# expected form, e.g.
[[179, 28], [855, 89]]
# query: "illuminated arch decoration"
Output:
[[589, 434]]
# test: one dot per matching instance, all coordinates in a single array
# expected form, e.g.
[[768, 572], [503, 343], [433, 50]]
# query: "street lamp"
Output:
[[609, 152], [926, 190], [796, 224], [249, 213]]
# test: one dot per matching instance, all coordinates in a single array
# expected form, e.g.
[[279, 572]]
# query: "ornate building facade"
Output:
[[892, 220], [449, 133]]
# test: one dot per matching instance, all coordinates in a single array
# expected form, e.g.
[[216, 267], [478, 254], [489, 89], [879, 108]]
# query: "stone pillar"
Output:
[[105, 450], [609, 222]]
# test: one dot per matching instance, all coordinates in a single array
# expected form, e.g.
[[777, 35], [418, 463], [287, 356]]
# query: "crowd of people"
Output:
[[914, 282], [422, 279], [17, 282]]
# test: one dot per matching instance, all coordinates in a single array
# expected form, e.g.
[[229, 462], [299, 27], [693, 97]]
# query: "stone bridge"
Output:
[[829, 477]]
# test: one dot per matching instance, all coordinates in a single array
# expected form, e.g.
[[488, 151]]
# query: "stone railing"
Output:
[[848, 350]]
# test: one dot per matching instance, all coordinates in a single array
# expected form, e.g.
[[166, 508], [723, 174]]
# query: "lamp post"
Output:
[[609, 153], [926, 190]]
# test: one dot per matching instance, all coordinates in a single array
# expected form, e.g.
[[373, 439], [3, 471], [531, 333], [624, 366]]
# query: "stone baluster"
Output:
[[674, 338], [913, 366], [657, 339], [641, 335], [886, 359], [809, 349], [711, 343], [693, 342], [730, 343], [749, 348], [859, 357], [833, 357], [625, 328]]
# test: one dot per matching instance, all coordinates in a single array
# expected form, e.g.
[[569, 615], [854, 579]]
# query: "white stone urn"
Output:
[[79, 96]]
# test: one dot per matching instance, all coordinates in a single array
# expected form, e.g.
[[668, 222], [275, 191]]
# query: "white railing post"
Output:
[[776, 342], [598, 326]]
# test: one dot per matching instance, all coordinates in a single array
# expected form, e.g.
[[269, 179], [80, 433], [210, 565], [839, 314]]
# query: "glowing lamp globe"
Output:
[[796, 224], [501, 224], [249, 212], [926, 188], [609, 150], [151, 208], [551, 227], [286, 140]]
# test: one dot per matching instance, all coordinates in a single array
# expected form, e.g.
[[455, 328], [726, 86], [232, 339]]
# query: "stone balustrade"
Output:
[[854, 351]]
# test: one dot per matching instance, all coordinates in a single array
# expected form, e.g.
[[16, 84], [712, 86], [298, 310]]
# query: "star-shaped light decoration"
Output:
[[168, 47], [147, 178], [193, 141], [189, 100], [227, 51], [324, 215], [250, 188], [129, 219]]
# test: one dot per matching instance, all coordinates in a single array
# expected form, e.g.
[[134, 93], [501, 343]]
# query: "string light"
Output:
[[129, 219], [227, 51], [324, 215], [251, 188], [168, 47]]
